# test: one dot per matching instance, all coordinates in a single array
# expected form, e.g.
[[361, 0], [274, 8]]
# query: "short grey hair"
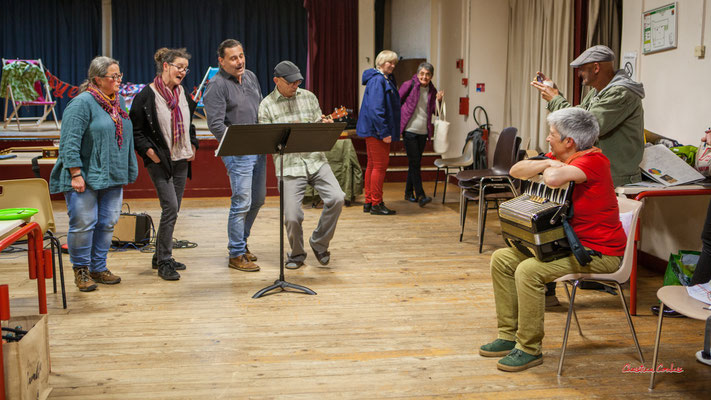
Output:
[[97, 69], [426, 66], [575, 123], [385, 56]]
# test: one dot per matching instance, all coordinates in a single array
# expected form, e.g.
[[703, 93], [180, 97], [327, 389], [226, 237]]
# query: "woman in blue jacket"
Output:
[[379, 124]]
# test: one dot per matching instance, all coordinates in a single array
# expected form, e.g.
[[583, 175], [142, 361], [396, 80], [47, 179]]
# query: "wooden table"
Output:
[[640, 193]]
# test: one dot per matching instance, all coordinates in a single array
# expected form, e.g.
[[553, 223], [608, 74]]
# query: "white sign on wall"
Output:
[[659, 29], [629, 64]]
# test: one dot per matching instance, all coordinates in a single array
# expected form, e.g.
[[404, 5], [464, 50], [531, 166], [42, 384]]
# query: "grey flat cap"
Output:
[[289, 71], [597, 53]]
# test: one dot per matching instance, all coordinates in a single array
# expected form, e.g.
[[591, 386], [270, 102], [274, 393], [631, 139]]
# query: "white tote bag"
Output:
[[440, 142]]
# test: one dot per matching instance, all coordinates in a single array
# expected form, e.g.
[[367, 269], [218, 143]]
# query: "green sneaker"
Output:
[[497, 348], [518, 360]]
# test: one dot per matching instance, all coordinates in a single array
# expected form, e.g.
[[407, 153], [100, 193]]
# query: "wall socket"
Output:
[[699, 51]]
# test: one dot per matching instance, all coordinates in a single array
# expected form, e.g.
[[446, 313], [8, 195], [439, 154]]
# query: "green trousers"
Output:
[[519, 290]]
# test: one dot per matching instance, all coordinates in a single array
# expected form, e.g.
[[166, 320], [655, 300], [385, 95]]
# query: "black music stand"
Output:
[[240, 140]]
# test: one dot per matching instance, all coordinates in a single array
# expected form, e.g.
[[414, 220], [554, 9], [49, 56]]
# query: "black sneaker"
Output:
[[178, 266], [423, 200], [167, 271], [380, 209], [367, 207], [410, 197]]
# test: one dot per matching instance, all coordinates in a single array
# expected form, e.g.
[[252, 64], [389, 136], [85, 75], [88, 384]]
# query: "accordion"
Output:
[[533, 221]]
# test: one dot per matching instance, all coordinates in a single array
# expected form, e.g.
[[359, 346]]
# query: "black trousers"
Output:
[[414, 147], [170, 194]]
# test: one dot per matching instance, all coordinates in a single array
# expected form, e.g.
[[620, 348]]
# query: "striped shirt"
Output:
[[302, 107]]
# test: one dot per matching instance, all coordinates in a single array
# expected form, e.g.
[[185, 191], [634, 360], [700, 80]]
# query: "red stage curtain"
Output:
[[332, 69]]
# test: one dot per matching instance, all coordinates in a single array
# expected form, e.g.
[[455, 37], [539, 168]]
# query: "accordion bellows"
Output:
[[531, 222]]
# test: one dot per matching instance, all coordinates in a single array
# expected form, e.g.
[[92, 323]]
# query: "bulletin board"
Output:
[[659, 28]]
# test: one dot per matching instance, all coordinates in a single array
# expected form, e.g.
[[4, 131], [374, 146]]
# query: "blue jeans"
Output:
[[92, 216], [248, 180]]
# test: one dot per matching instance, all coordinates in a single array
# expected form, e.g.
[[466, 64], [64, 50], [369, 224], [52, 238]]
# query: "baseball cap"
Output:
[[289, 71], [597, 53]]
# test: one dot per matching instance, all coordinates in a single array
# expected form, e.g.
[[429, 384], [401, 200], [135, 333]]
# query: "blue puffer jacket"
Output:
[[379, 114]]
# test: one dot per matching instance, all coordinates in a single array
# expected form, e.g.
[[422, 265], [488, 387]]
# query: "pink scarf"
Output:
[[172, 99], [113, 107]]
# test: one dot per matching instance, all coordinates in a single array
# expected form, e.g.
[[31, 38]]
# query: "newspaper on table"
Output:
[[663, 166], [700, 292]]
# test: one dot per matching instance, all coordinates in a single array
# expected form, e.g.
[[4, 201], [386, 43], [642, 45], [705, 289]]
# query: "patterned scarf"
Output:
[[173, 104], [582, 153], [111, 106]]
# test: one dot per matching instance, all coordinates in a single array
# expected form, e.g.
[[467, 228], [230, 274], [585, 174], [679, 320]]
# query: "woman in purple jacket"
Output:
[[417, 97]]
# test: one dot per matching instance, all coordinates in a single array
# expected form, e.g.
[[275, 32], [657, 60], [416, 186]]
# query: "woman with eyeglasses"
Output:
[[418, 97], [96, 159], [162, 115]]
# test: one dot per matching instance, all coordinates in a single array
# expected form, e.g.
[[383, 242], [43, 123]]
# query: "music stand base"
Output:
[[283, 285]]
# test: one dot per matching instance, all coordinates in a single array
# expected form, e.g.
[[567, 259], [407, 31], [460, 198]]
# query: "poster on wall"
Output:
[[659, 29], [629, 62]]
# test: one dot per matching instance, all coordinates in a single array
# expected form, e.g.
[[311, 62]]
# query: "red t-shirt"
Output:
[[596, 217]]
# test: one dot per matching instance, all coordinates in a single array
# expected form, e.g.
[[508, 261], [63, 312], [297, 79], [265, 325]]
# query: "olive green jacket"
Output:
[[619, 112]]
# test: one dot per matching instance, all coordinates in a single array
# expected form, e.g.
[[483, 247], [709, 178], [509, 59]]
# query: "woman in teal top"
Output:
[[96, 159]]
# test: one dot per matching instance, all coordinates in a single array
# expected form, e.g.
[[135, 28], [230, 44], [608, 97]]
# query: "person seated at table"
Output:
[[288, 103], [702, 273], [518, 279]]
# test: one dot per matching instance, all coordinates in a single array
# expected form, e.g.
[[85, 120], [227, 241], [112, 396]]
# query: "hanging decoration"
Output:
[[60, 89]]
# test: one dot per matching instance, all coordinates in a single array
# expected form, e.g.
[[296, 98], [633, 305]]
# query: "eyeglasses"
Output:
[[180, 69], [115, 77], [295, 83]]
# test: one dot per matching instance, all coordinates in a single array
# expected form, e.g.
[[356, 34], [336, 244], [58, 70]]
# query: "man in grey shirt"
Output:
[[232, 97]]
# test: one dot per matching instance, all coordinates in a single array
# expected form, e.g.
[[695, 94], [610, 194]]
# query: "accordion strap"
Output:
[[581, 254]]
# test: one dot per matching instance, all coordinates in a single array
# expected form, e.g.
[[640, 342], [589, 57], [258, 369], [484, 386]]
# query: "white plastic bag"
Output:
[[440, 141], [703, 159]]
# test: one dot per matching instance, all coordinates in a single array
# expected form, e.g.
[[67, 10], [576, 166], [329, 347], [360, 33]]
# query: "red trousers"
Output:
[[378, 160]]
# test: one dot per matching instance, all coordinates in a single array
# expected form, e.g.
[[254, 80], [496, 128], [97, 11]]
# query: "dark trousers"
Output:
[[170, 194], [414, 147], [702, 274]]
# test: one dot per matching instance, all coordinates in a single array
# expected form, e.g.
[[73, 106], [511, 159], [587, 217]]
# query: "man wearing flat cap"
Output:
[[290, 104], [616, 102]]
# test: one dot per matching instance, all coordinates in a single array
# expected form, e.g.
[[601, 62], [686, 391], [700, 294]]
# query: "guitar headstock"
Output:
[[339, 113]]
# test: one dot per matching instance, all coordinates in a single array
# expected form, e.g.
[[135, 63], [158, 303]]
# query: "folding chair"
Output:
[[197, 96], [16, 91], [34, 193]]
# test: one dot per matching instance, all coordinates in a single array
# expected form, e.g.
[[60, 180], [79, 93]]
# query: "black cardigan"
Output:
[[147, 133]]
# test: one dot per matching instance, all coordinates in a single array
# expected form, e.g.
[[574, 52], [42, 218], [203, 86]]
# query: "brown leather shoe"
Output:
[[82, 279], [249, 255], [241, 263], [105, 277]]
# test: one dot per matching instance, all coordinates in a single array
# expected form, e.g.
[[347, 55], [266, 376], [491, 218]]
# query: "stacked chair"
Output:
[[491, 184]]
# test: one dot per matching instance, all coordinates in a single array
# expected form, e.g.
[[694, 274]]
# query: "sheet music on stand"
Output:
[[666, 168], [701, 292]]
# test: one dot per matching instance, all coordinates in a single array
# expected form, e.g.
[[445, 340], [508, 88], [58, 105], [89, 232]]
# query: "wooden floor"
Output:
[[400, 313]]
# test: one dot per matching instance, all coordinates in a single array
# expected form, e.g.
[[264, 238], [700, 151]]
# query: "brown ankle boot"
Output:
[[250, 256], [105, 277], [83, 280], [241, 263]]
